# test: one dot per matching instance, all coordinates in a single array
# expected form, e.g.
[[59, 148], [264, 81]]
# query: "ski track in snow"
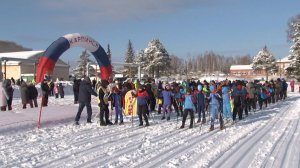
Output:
[[266, 138]]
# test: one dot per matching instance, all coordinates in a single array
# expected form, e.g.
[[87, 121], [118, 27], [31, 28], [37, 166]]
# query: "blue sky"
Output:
[[185, 27]]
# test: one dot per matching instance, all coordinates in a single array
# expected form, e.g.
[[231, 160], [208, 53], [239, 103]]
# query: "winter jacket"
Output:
[[117, 99], [167, 95], [32, 92], [225, 94], [3, 96], [61, 89], [188, 101], [44, 88], [85, 92], [200, 97], [251, 90], [24, 93], [9, 89], [142, 97], [237, 95]]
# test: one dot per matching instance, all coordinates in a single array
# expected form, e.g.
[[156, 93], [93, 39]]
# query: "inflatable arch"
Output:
[[55, 50]]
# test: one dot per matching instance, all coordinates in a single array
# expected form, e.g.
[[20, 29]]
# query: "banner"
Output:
[[130, 104], [58, 47]]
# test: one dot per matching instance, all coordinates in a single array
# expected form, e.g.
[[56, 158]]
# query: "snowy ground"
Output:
[[267, 138]]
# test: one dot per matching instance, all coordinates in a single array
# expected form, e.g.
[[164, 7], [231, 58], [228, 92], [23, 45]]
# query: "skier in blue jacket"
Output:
[[214, 106], [188, 108]]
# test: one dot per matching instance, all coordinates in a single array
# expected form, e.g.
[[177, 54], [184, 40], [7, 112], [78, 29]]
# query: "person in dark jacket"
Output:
[[45, 91], [84, 99], [76, 89], [200, 99], [117, 103], [51, 87], [32, 95], [104, 95], [10, 92], [61, 90]]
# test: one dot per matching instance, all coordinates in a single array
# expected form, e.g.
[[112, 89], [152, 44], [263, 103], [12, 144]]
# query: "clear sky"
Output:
[[185, 27]]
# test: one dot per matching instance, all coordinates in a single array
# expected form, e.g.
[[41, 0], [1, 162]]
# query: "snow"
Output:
[[266, 138]]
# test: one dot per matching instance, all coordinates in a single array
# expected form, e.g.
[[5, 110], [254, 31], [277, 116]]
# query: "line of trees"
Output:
[[156, 61]]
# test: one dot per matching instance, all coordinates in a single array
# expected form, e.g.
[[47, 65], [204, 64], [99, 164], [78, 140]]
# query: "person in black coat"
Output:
[[45, 91], [84, 99], [76, 89], [61, 90], [32, 95], [10, 92]]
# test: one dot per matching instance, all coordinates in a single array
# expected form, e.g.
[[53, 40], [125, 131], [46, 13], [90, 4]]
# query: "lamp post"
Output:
[[4, 69], [87, 69]]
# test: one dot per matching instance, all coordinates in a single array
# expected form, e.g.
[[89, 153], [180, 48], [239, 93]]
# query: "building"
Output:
[[247, 71], [24, 65]]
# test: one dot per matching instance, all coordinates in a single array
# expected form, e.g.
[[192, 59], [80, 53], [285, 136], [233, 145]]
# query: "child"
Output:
[[214, 107], [188, 108], [200, 104], [167, 102], [117, 102], [142, 107]]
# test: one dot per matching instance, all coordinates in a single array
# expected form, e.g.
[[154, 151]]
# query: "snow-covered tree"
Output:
[[81, 70], [129, 58], [155, 58], [294, 35], [108, 52], [264, 60]]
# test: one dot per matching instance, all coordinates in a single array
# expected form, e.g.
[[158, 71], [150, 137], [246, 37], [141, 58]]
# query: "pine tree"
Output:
[[129, 58], [294, 35], [81, 70], [264, 60], [156, 58]]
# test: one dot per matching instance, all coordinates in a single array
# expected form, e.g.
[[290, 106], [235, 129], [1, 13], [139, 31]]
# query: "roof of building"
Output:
[[240, 67], [27, 57], [285, 59], [22, 54]]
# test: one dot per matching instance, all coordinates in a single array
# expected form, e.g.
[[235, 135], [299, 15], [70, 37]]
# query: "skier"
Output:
[[142, 107], [188, 108], [237, 101], [117, 103], [214, 106], [227, 113], [200, 97], [167, 98], [251, 96]]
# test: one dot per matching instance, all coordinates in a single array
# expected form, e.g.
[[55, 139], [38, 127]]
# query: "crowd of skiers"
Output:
[[225, 100]]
